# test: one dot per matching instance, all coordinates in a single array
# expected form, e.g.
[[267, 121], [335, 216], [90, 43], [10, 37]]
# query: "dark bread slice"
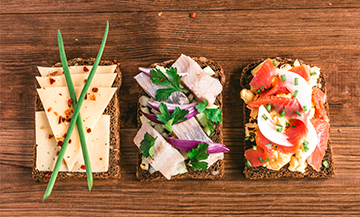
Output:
[[216, 171], [264, 173], [112, 109]]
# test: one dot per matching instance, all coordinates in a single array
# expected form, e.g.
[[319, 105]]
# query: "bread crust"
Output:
[[216, 171], [112, 109], [265, 173]]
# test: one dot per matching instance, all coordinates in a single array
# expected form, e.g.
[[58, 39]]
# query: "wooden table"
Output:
[[323, 33]]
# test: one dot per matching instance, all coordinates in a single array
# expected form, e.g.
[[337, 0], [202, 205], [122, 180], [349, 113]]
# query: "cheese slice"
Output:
[[47, 149], [99, 80], [50, 71], [55, 102]]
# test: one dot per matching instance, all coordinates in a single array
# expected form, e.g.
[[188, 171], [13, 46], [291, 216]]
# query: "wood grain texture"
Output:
[[231, 32]]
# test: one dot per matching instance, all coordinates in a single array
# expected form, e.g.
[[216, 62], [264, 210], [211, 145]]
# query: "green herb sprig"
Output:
[[75, 116], [79, 124], [147, 145], [197, 155], [213, 115], [158, 77], [169, 120]]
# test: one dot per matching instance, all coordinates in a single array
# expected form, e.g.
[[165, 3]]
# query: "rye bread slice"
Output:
[[264, 173], [112, 109], [216, 171]]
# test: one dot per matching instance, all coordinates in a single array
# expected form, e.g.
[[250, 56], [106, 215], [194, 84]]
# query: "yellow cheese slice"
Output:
[[55, 101], [99, 80], [47, 149], [52, 71]]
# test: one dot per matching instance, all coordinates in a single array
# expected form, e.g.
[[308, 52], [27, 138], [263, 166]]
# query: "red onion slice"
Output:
[[188, 145]]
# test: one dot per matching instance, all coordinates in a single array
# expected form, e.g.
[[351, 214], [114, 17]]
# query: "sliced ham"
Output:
[[167, 159], [203, 86]]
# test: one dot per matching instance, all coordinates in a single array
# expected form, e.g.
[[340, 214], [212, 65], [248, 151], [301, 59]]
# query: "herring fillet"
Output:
[[203, 86], [166, 158], [191, 130]]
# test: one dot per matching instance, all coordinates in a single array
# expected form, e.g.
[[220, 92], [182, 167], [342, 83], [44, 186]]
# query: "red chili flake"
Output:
[[100, 158], [115, 61], [55, 113], [57, 153], [60, 94], [68, 156], [85, 98], [88, 130], [104, 174], [63, 72], [53, 73], [52, 81], [95, 89], [67, 112], [69, 141], [47, 175], [82, 167], [49, 109], [60, 119], [70, 102], [51, 136], [92, 97], [64, 135], [85, 80], [42, 127], [161, 79], [60, 143], [86, 69], [193, 15]]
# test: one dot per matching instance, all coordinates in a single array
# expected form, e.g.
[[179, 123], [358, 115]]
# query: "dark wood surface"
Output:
[[322, 33]]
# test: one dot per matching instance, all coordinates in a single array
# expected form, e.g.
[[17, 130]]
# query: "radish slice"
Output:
[[267, 128], [303, 88]]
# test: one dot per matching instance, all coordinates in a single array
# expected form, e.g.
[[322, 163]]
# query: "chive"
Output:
[[282, 114], [305, 108], [285, 107], [283, 77], [313, 73], [293, 126], [261, 160], [296, 93], [296, 81], [258, 91], [79, 123], [325, 164], [247, 163], [266, 159], [264, 116], [75, 117], [268, 107], [279, 128], [287, 124], [254, 147], [298, 113], [305, 145], [274, 62], [275, 146], [247, 138], [261, 88], [268, 144]]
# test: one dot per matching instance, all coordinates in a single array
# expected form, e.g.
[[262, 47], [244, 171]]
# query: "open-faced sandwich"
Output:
[[100, 116], [180, 120], [287, 123]]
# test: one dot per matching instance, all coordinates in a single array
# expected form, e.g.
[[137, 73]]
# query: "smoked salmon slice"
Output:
[[292, 106], [319, 98], [277, 88], [302, 70], [322, 130], [256, 157], [264, 76]]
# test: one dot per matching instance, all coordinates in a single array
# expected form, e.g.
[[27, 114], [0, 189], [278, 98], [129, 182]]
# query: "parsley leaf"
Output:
[[213, 115], [157, 77], [147, 145], [169, 120], [197, 155]]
